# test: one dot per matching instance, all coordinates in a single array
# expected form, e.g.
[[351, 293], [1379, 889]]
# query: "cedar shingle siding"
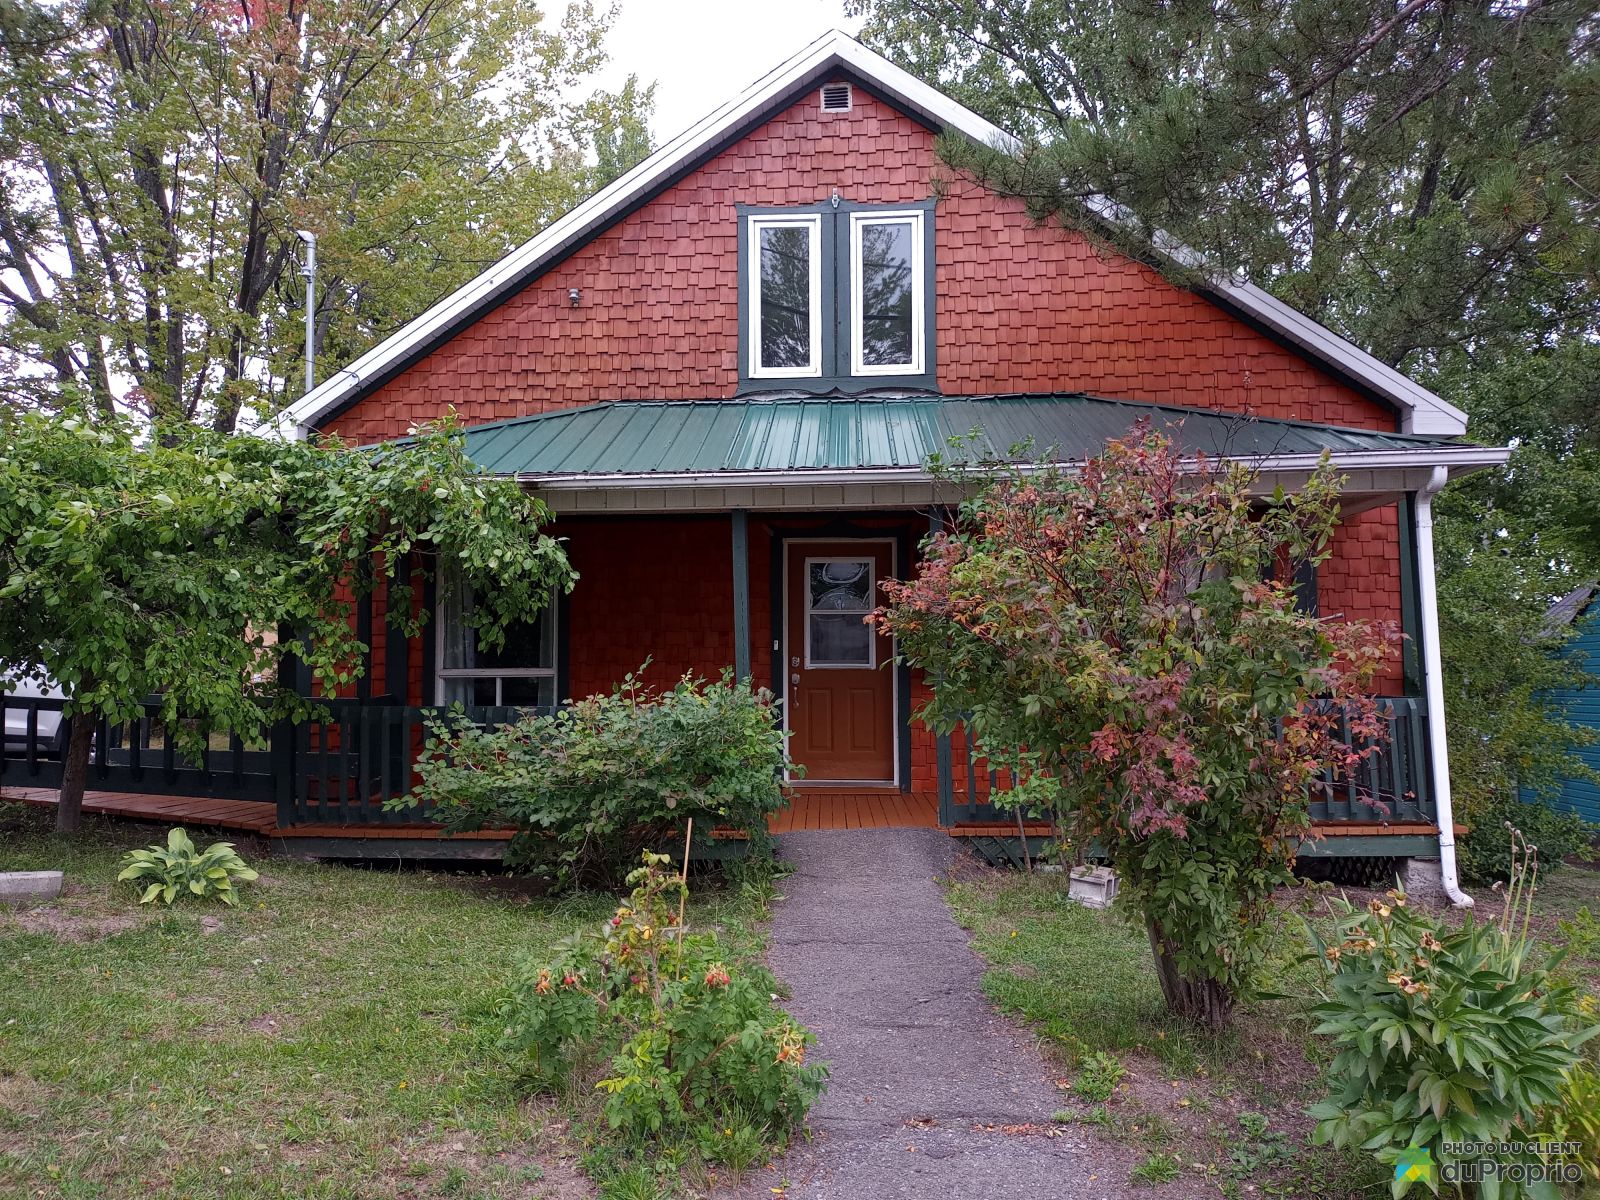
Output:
[[1020, 308]]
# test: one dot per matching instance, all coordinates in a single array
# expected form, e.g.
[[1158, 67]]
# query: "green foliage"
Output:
[[178, 869], [696, 1049], [1442, 1036], [1484, 854], [1575, 1116], [1425, 183], [1098, 1076], [133, 568], [588, 787], [165, 155], [1421, 180], [1127, 640], [1161, 1167]]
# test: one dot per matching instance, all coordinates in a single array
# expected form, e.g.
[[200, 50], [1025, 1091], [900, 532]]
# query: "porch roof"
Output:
[[809, 436]]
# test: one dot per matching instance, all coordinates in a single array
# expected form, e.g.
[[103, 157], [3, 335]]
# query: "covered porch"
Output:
[[751, 536]]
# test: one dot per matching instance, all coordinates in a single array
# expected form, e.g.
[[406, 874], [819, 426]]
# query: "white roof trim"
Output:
[[1422, 411], [1461, 460]]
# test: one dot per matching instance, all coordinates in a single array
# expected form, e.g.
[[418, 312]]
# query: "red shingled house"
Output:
[[725, 373]]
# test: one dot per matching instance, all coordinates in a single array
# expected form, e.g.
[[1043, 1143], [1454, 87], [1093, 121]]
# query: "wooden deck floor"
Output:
[[810, 808], [863, 808]]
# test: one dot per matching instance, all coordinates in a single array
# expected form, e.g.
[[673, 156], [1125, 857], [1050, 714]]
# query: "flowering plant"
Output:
[[693, 1044], [1445, 1038]]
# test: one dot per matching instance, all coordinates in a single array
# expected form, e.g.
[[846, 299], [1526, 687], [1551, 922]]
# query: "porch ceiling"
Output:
[[807, 436]]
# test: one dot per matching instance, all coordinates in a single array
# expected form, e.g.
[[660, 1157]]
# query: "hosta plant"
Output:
[[178, 869], [1443, 1035], [695, 1045]]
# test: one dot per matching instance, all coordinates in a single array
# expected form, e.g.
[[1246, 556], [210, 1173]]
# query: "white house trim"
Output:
[[1421, 411]]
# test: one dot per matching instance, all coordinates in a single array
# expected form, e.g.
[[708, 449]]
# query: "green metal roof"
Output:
[[813, 433]]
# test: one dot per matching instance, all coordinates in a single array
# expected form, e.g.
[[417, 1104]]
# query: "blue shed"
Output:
[[1581, 608]]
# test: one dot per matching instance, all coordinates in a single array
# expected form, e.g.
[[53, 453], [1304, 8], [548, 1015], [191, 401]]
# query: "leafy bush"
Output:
[[178, 869], [1442, 1036], [588, 788], [1127, 639], [696, 1048], [1484, 852]]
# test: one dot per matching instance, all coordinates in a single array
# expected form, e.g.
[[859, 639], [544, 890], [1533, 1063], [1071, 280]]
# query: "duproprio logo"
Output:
[[1415, 1165]]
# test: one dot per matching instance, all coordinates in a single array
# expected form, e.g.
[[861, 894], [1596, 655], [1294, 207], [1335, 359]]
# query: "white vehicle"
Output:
[[51, 728]]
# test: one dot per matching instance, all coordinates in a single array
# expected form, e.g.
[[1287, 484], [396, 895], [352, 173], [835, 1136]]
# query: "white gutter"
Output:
[[1433, 681], [1438, 457]]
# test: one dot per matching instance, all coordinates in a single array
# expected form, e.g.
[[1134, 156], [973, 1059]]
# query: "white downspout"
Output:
[[1433, 687]]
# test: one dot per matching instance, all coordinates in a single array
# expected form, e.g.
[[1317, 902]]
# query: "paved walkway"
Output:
[[933, 1094]]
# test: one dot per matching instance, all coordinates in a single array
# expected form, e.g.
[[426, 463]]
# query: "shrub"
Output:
[[1484, 853], [1442, 1036], [178, 869], [1127, 639], [697, 1047], [588, 788]]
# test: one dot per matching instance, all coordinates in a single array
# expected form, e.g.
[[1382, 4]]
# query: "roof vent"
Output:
[[836, 97]]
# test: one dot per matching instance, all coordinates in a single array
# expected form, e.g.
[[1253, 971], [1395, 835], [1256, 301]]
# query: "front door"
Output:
[[839, 685]]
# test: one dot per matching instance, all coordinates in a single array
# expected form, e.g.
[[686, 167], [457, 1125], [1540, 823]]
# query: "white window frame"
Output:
[[919, 356], [812, 223], [811, 610], [443, 675]]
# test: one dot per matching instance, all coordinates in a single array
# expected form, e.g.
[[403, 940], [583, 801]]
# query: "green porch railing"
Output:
[[139, 755], [344, 767], [1393, 784]]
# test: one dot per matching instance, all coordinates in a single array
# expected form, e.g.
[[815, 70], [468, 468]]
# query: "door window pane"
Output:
[[842, 584], [839, 595], [886, 294], [840, 640], [785, 317]]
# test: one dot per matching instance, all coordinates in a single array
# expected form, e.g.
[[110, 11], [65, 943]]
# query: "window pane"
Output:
[[785, 296], [527, 691], [842, 585], [528, 644], [840, 638], [886, 294], [478, 691]]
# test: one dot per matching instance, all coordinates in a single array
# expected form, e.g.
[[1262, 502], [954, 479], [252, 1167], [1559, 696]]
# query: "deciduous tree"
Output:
[[157, 157], [131, 569]]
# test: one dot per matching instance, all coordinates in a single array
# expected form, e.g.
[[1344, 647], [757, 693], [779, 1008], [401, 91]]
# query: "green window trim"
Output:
[[836, 363]]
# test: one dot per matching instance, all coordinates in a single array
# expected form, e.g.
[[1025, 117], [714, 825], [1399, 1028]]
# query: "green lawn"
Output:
[[1228, 1109], [335, 1036]]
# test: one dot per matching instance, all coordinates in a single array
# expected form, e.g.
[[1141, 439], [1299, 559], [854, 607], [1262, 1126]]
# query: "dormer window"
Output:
[[836, 297], [786, 294]]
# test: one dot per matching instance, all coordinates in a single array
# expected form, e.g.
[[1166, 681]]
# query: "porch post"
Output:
[[741, 594]]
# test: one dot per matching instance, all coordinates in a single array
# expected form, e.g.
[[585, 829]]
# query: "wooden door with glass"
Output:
[[839, 675]]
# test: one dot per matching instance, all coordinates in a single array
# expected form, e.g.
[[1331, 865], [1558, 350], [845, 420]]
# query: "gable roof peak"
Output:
[[1421, 411]]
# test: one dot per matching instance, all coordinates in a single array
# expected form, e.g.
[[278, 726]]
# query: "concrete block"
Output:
[[1424, 881], [22, 889], [1093, 887]]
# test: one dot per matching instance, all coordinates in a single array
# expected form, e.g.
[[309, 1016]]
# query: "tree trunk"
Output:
[[74, 774], [1205, 1001]]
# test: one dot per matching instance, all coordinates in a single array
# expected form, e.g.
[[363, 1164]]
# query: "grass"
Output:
[[1233, 1104], [334, 1037]]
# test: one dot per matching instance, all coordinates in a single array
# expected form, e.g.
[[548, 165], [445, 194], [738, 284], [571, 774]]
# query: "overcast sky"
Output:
[[704, 52]]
